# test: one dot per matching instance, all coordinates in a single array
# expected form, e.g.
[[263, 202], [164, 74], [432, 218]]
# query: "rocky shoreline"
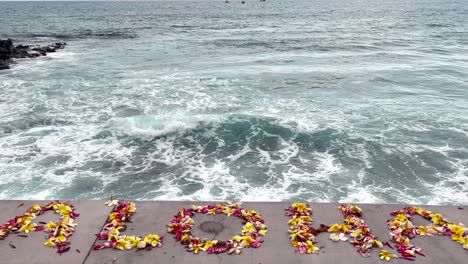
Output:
[[9, 52]]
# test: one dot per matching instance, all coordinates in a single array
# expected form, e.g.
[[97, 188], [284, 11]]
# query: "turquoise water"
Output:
[[326, 101]]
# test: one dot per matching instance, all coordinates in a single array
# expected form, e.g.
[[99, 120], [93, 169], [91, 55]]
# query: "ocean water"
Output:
[[319, 100]]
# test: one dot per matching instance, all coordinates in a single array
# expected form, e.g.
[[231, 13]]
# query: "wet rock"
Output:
[[60, 45], [8, 51], [20, 51], [6, 46], [40, 50], [33, 54], [22, 47]]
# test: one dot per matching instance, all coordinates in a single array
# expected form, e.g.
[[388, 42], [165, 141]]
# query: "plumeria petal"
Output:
[[402, 230], [302, 234], [253, 229], [385, 255], [120, 215], [58, 232], [111, 203]]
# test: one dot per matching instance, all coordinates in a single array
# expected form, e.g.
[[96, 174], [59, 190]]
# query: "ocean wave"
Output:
[[148, 127], [225, 157]]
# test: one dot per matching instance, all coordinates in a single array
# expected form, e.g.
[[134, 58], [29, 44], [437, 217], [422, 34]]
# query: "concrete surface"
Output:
[[32, 250], [152, 217]]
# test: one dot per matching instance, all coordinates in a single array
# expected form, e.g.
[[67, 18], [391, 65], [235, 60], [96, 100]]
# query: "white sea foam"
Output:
[[155, 126]]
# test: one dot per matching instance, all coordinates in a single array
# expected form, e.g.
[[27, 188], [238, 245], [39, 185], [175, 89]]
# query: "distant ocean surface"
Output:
[[319, 100]]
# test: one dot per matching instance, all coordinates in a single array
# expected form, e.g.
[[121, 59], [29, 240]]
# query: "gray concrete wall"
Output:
[[153, 216]]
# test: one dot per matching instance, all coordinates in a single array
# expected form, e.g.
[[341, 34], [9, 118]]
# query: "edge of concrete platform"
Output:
[[153, 216]]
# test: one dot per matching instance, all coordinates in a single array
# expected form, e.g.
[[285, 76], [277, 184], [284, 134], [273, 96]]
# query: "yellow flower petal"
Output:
[[50, 242]]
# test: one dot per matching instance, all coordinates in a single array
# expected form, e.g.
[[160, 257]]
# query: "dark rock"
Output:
[[60, 45], [20, 52], [6, 46], [22, 47], [50, 49], [33, 54], [8, 51], [41, 50]]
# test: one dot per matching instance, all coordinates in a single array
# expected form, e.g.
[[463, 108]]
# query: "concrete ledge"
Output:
[[152, 217], [32, 250]]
